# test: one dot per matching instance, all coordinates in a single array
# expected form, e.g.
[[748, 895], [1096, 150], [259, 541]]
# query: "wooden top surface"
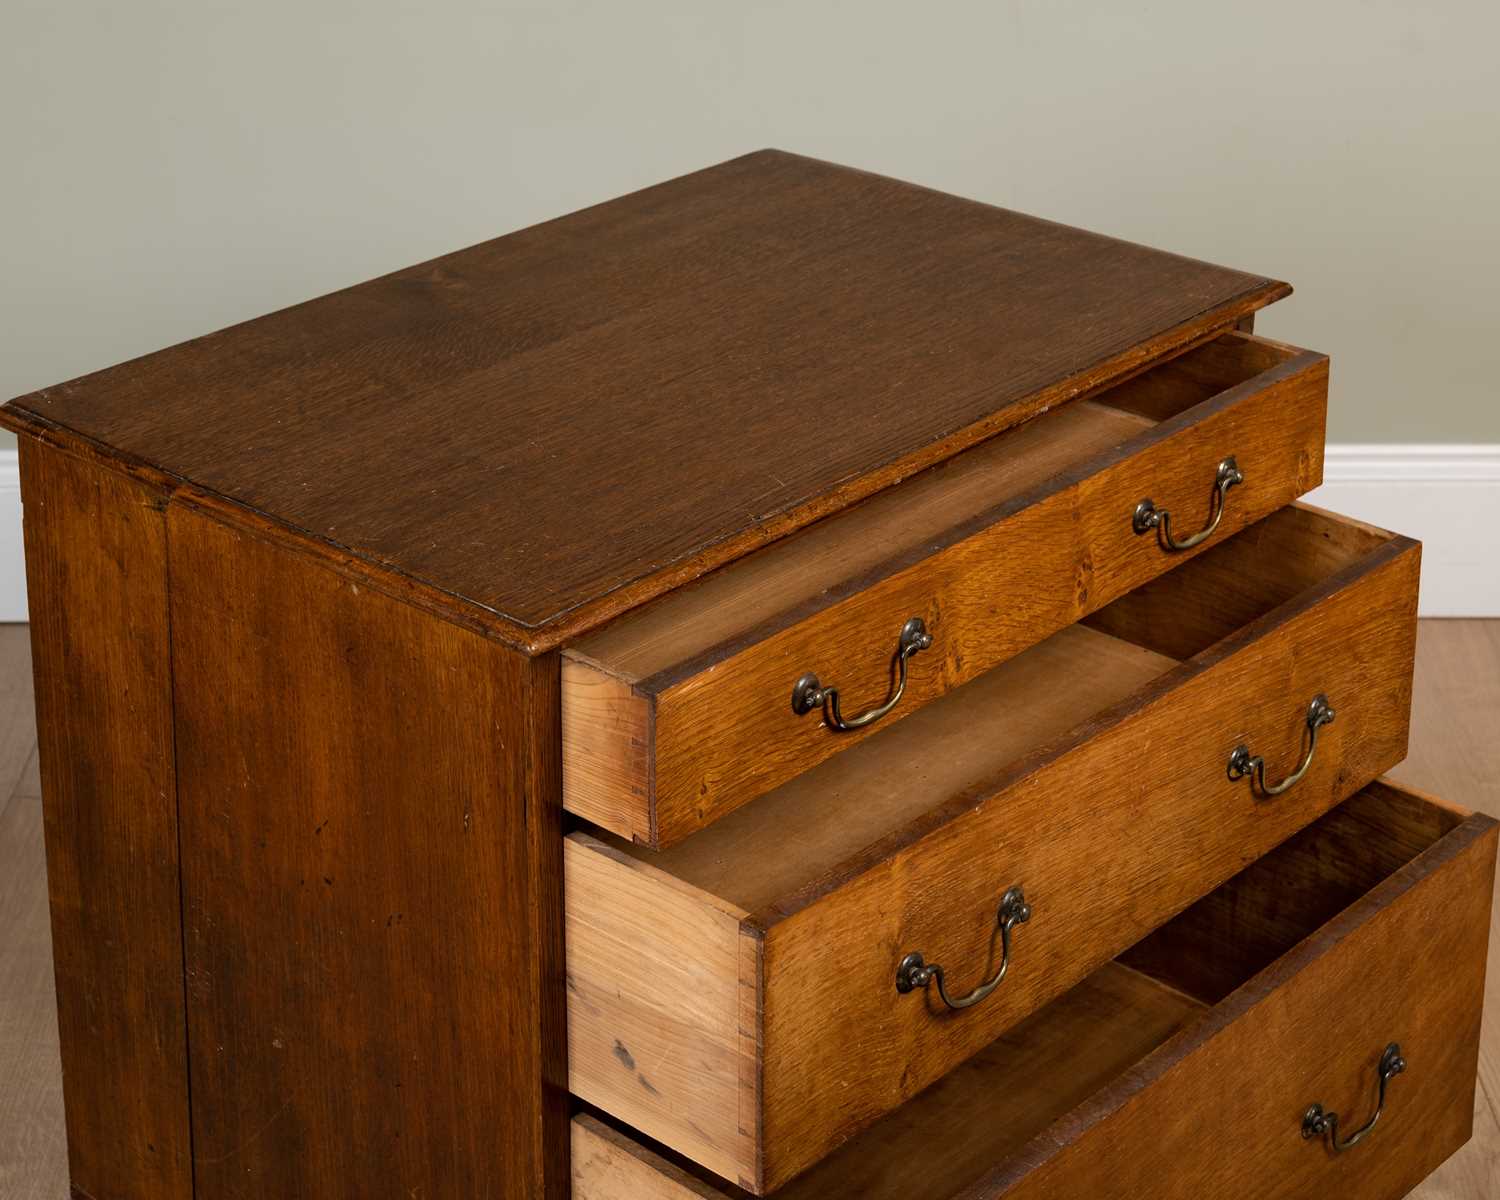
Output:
[[548, 428]]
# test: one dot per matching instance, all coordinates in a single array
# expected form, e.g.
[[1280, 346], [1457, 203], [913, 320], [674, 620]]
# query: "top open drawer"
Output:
[[683, 710]]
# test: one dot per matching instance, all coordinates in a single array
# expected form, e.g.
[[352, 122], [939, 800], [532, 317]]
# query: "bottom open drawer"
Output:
[[1188, 1066]]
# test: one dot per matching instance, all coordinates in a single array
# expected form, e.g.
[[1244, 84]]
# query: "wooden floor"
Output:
[[1455, 752]]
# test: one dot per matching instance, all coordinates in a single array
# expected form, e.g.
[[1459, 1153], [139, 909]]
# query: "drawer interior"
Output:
[[1094, 1035], [930, 510], [1228, 586], [970, 742]]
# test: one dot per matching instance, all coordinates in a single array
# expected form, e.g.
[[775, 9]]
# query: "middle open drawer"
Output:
[[748, 997]]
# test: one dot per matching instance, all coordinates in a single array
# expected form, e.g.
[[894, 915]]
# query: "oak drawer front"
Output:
[[680, 712], [1188, 1067], [740, 997]]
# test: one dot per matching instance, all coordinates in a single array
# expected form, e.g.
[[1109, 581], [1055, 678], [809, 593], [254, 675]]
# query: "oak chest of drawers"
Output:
[[782, 683]]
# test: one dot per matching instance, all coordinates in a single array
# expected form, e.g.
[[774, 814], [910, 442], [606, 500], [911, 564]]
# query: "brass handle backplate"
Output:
[[1243, 763], [1148, 517], [808, 694], [1318, 1122], [914, 972]]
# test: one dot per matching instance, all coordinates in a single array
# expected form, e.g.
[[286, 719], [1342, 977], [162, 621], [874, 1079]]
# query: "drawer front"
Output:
[[610, 1165], [1405, 965], [1190, 1067], [1136, 819], [776, 1034], [655, 758]]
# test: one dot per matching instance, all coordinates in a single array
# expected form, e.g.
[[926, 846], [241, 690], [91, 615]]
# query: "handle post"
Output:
[[808, 694], [1318, 1122], [1242, 763], [915, 972], [1148, 517]]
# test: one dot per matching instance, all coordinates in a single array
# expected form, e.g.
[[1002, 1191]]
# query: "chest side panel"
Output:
[[371, 884], [96, 565]]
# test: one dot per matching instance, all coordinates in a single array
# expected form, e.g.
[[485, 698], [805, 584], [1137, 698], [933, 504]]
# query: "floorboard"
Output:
[[17, 713], [33, 1153]]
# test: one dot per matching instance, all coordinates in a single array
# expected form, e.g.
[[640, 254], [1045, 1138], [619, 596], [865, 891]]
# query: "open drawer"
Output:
[[681, 711], [750, 996], [1197, 1063]]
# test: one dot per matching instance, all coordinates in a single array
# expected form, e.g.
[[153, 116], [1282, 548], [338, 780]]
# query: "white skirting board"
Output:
[[1446, 496]]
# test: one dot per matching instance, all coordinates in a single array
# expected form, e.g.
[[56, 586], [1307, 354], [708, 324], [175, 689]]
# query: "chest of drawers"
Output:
[[784, 683]]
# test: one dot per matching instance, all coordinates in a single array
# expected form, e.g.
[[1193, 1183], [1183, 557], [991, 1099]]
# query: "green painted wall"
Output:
[[174, 167]]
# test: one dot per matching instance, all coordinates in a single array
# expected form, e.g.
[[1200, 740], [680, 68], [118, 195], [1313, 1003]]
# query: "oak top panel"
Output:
[[548, 428]]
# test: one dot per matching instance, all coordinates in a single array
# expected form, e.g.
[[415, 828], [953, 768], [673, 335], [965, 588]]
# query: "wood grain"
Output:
[[1455, 710], [17, 709], [17, 716], [609, 1165], [602, 407], [1101, 789], [1072, 824], [996, 550], [1237, 581], [33, 1150], [1456, 701], [1019, 1082], [653, 970], [1086, 1098], [1244, 926], [1405, 963], [804, 831], [96, 565], [730, 608], [979, 1114], [541, 1105], [1164, 391], [654, 1007], [373, 941], [607, 744]]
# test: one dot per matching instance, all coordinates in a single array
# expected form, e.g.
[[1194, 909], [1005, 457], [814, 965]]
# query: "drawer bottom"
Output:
[[1186, 1067]]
